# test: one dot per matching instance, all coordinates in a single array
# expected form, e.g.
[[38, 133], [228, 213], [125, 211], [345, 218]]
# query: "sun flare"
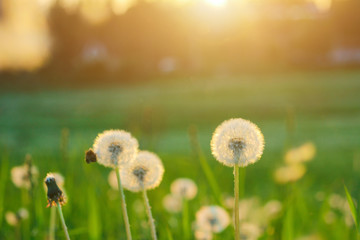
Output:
[[217, 3]]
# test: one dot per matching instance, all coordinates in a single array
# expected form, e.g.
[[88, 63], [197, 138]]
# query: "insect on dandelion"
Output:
[[55, 196], [144, 173], [115, 148], [212, 218], [237, 143]]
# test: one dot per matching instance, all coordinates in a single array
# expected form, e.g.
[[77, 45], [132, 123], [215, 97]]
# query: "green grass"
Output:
[[327, 111]]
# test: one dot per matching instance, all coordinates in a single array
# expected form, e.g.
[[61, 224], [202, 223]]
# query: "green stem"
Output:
[[123, 205], [236, 195], [52, 223], [185, 218], [148, 211], [63, 221]]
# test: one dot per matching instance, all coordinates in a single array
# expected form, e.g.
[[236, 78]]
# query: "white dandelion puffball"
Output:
[[20, 176], [172, 203], [237, 142], [184, 188], [304, 153], [115, 148], [146, 171], [212, 218]]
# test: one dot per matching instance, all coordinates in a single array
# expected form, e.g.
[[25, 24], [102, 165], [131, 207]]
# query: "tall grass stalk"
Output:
[[236, 207], [52, 224], [63, 221], [148, 211], [205, 165], [123, 205]]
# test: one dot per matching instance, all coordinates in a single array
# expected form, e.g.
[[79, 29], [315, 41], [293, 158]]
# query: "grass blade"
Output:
[[352, 207]]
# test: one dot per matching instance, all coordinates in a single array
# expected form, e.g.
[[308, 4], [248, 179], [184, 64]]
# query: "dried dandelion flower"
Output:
[[22, 177], [145, 172], [54, 194], [290, 173], [114, 148], [184, 188], [304, 153], [172, 203], [212, 218], [237, 142]]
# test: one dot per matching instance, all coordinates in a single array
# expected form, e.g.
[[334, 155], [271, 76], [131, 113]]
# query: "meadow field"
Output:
[[57, 126]]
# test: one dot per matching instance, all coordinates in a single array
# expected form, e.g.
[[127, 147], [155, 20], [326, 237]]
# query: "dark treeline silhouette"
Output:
[[151, 40]]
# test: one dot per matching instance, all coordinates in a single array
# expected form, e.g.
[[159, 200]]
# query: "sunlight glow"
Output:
[[217, 3]]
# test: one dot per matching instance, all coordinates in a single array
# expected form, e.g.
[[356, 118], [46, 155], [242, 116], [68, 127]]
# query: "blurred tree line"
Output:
[[151, 40]]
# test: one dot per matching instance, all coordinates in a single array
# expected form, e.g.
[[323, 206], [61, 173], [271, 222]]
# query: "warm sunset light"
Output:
[[217, 3]]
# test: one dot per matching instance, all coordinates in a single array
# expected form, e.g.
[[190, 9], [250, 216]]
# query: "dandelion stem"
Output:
[[236, 195], [185, 218], [52, 223], [123, 205], [62, 221], [148, 211]]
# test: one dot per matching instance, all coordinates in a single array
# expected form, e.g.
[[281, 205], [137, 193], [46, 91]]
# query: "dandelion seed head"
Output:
[[172, 204], [237, 142], [20, 175], [114, 148], [145, 171], [290, 173], [212, 218], [184, 188]]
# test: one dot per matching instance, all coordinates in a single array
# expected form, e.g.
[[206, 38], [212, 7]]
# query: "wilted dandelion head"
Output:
[[115, 148], [172, 204], [304, 153], [237, 142], [54, 194], [290, 173], [184, 188], [23, 175], [212, 218], [145, 172]]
